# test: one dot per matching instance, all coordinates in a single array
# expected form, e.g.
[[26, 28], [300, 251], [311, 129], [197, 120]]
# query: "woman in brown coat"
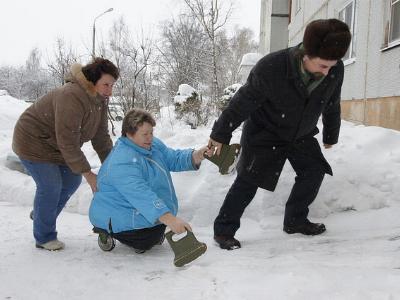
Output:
[[48, 138]]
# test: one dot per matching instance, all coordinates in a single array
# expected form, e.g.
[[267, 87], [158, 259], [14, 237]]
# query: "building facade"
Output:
[[371, 88]]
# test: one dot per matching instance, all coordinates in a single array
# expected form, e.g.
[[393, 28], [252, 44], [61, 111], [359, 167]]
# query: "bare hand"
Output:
[[91, 179], [215, 147], [199, 155], [327, 146], [176, 224]]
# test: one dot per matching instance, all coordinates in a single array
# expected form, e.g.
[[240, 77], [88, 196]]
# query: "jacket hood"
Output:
[[76, 75]]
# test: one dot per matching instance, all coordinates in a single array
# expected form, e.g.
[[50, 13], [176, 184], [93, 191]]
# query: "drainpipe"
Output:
[[366, 64]]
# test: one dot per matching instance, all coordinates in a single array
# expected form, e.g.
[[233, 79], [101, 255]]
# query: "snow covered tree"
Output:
[[36, 82], [27, 82], [223, 101], [185, 52], [11, 80], [212, 15], [189, 107]]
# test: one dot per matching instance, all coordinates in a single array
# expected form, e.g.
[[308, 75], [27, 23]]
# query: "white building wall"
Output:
[[383, 78], [274, 21], [355, 70]]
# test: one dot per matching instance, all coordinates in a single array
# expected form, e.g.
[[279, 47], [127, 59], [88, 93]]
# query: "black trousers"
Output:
[[309, 176], [141, 239]]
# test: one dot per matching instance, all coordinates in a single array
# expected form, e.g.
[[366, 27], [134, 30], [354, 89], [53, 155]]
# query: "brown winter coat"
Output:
[[54, 128]]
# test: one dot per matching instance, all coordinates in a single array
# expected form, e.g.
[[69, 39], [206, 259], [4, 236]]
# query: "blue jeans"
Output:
[[55, 184]]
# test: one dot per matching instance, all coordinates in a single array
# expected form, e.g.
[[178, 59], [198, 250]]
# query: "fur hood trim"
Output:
[[77, 74]]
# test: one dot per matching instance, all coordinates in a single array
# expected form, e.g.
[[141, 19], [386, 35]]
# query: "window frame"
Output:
[[391, 41], [298, 6], [352, 54]]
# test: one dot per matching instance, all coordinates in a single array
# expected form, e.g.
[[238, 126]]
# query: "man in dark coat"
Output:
[[280, 104]]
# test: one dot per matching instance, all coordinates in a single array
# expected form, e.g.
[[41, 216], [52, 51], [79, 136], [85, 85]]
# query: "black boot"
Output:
[[306, 228], [227, 242], [139, 251]]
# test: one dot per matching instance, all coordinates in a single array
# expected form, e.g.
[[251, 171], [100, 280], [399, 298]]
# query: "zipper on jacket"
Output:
[[166, 175]]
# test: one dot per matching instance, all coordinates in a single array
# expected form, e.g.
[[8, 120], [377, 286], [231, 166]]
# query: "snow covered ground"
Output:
[[357, 258]]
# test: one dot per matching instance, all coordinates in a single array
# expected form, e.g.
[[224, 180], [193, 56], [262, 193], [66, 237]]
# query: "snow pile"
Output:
[[365, 165], [184, 91]]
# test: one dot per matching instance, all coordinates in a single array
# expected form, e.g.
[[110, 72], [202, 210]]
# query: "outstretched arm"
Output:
[[199, 155]]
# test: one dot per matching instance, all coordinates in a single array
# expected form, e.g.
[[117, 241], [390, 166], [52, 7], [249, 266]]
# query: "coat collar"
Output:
[[137, 148], [292, 59]]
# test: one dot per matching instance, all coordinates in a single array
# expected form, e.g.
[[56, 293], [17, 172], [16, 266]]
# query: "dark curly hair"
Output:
[[99, 66], [327, 39]]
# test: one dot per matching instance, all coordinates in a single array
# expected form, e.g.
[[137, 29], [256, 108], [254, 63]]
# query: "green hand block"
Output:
[[187, 249], [226, 158]]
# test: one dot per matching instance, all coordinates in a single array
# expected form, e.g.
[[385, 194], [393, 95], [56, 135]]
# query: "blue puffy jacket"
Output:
[[134, 185]]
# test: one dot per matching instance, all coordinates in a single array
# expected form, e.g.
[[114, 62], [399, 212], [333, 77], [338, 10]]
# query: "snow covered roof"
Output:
[[250, 59]]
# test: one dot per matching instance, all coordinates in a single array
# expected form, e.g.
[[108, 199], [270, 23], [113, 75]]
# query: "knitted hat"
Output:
[[327, 39]]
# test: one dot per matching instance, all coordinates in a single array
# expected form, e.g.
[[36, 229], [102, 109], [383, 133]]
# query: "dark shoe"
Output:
[[139, 251], [31, 215], [227, 242], [307, 228]]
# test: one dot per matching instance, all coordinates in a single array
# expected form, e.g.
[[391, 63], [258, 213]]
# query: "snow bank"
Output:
[[365, 164]]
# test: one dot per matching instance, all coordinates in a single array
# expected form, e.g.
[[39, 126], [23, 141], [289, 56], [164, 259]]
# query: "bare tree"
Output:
[[231, 51], [185, 52], [27, 82], [133, 60], [212, 16], [64, 57], [12, 79], [36, 82]]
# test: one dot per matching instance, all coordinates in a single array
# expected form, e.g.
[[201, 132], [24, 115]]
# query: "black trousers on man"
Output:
[[309, 175]]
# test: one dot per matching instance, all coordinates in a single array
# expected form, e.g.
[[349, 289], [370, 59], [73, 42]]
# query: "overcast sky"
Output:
[[25, 24]]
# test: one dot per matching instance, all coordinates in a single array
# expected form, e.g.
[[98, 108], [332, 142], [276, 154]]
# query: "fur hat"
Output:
[[327, 39]]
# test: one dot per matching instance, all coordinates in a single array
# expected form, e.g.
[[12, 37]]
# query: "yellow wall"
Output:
[[383, 112]]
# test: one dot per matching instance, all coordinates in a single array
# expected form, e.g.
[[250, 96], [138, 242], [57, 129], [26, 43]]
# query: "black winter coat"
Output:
[[280, 116]]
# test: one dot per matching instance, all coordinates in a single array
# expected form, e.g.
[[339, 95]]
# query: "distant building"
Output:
[[247, 63], [371, 88], [274, 22]]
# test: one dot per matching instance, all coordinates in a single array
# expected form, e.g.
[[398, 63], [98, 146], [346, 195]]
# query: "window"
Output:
[[394, 27], [298, 6], [347, 15]]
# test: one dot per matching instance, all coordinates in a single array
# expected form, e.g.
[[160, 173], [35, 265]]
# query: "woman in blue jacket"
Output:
[[135, 198]]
